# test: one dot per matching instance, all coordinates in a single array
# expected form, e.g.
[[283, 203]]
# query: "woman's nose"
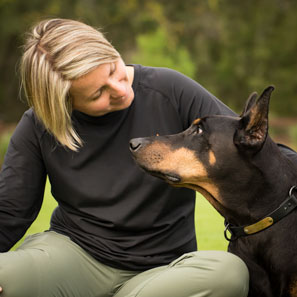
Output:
[[117, 89]]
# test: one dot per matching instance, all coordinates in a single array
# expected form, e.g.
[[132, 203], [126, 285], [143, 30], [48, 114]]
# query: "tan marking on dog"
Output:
[[195, 122], [159, 156], [153, 154], [184, 162], [209, 190], [211, 158]]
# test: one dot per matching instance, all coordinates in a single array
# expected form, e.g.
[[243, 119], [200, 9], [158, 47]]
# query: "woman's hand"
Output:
[[1, 290]]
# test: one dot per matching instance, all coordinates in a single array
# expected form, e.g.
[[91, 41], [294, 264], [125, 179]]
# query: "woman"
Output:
[[116, 231]]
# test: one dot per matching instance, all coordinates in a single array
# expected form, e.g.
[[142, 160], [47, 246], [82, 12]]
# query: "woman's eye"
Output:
[[97, 96], [113, 68]]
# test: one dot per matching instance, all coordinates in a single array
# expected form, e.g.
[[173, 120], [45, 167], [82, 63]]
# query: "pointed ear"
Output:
[[253, 124], [249, 103]]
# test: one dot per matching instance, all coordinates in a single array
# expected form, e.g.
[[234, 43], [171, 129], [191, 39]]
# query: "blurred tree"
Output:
[[157, 49], [238, 47]]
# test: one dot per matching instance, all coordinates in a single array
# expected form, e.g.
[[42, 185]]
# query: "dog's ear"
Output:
[[253, 124], [249, 103]]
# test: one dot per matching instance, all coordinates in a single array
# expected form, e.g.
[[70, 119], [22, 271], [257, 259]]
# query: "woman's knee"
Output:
[[18, 277], [220, 273], [231, 276]]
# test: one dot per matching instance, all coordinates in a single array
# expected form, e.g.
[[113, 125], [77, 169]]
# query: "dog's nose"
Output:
[[135, 144]]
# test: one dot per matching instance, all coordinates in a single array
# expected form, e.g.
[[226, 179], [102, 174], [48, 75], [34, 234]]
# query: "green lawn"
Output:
[[209, 224]]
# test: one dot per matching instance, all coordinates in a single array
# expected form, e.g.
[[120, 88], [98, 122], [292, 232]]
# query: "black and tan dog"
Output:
[[239, 169]]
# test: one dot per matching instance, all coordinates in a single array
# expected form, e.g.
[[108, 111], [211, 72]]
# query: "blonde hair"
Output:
[[56, 52]]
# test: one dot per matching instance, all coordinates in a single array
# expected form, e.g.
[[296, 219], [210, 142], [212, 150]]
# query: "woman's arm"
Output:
[[22, 182]]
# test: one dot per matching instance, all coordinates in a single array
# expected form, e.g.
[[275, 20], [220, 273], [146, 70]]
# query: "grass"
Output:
[[209, 224]]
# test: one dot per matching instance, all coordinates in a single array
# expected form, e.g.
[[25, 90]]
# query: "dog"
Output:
[[240, 170]]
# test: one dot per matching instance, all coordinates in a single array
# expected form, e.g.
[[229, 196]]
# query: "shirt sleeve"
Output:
[[22, 182], [190, 98]]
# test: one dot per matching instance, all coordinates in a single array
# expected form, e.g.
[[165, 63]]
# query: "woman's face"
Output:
[[106, 89]]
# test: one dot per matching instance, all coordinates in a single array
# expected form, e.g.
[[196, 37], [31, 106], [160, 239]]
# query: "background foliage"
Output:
[[231, 47]]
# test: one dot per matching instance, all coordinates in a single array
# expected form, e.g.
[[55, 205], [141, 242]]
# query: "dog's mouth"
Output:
[[169, 177]]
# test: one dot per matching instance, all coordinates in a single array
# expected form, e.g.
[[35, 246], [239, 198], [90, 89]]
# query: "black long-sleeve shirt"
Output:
[[119, 214]]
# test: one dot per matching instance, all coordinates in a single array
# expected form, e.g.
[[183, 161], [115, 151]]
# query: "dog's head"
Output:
[[211, 150]]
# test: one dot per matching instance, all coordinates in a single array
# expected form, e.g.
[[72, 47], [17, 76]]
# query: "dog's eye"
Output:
[[198, 130]]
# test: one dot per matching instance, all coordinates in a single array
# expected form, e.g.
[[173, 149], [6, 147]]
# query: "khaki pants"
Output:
[[51, 265]]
